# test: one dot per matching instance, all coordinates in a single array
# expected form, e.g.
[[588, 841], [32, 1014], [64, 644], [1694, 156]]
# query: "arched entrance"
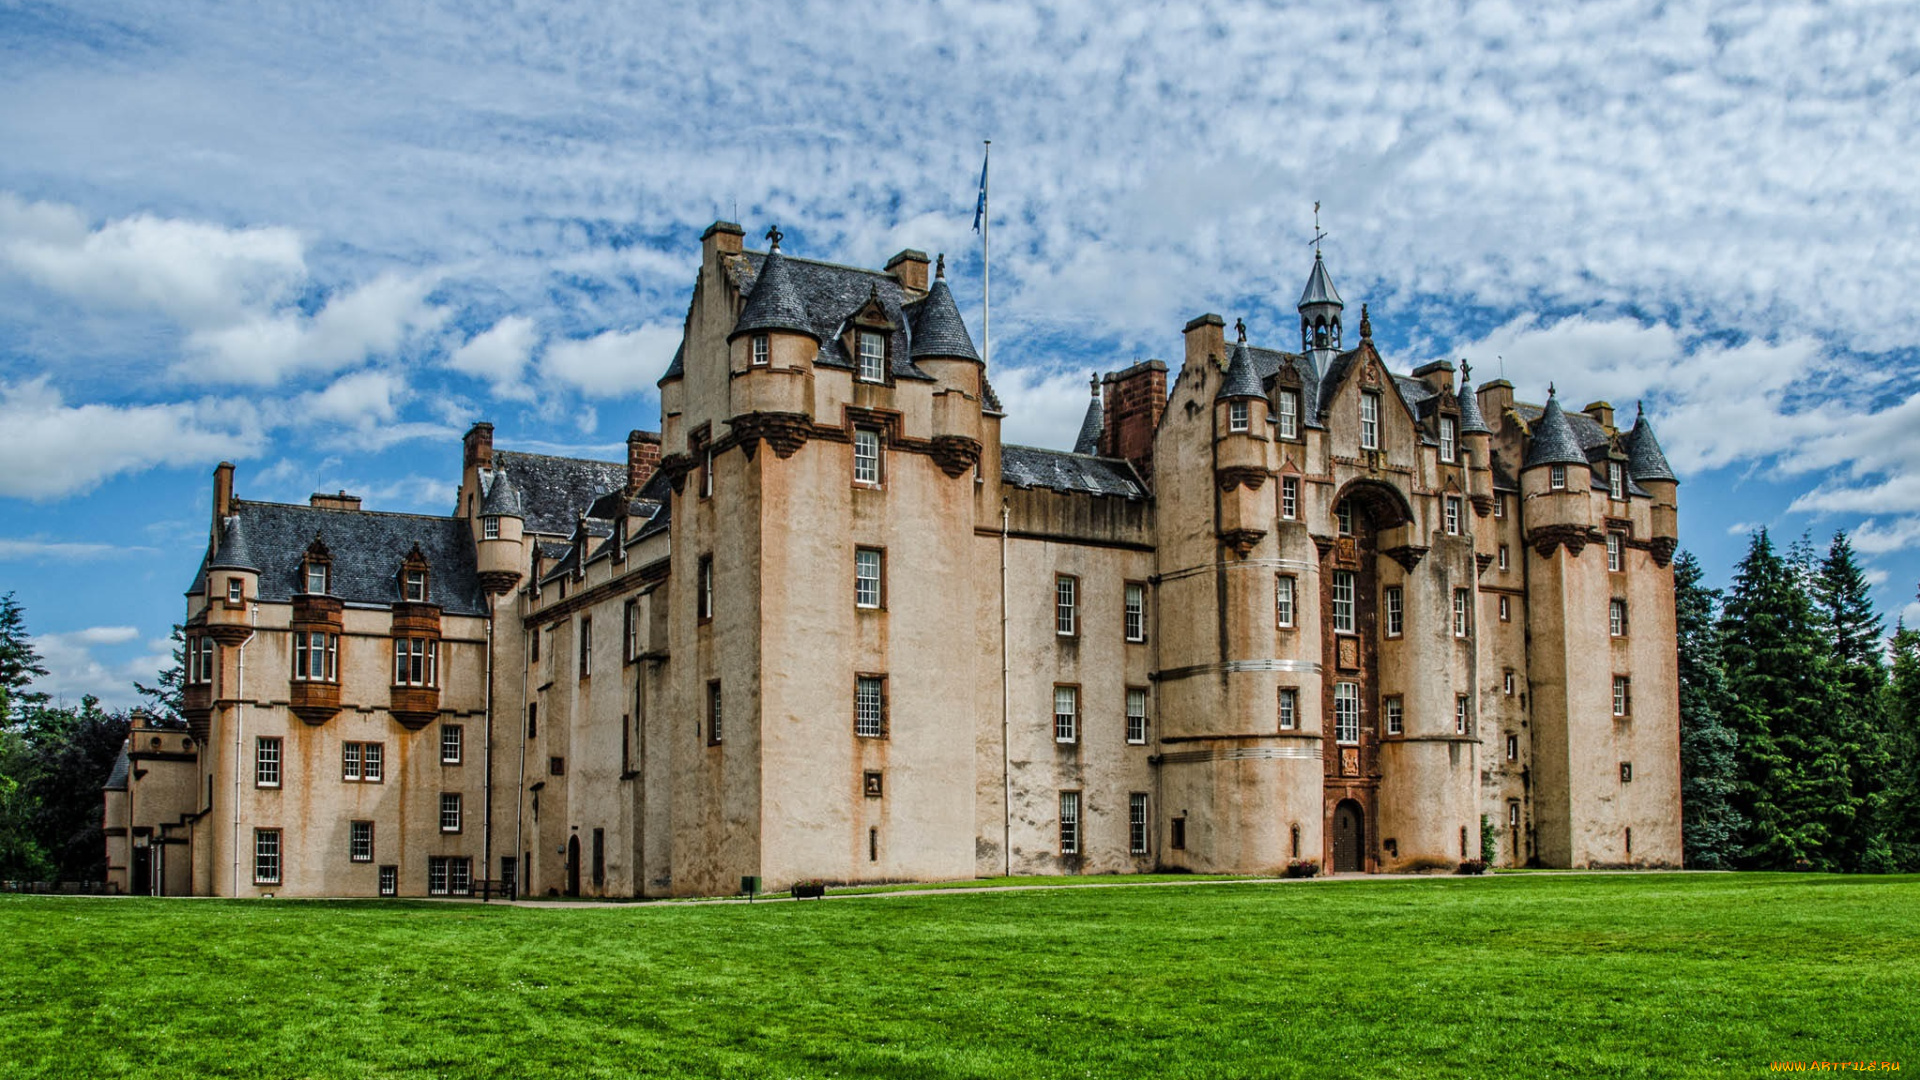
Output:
[[1349, 838], [573, 866]]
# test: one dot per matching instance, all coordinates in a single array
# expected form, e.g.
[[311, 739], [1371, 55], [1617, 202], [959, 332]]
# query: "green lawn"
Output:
[[1531, 975]]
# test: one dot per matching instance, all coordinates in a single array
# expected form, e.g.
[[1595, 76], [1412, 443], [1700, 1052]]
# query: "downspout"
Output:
[[1006, 705], [486, 827]]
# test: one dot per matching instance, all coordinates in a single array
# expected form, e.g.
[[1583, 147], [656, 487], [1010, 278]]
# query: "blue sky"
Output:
[[321, 242]]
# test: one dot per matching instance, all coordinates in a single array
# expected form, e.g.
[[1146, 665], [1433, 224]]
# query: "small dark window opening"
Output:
[[873, 845], [1177, 834]]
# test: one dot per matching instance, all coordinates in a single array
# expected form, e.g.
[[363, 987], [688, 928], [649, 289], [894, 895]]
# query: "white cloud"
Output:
[[66, 551], [499, 355], [1873, 538], [1043, 409], [265, 347], [49, 449], [616, 363], [74, 669]]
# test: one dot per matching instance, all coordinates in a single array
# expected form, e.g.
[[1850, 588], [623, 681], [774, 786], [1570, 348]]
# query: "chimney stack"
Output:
[[909, 268], [320, 500], [1131, 406], [479, 443], [643, 458], [1207, 340], [721, 239]]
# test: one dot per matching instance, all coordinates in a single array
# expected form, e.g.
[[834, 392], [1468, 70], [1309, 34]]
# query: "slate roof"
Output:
[[936, 326], [775, 303], [1471, 421], [557, 490], [1645, 461], [1319, 288], [503, 497], [1241, 380], [830, 294], [1554, 441], [1057, 470], [117, 779], [234, 553], [1089, 440], [678, 366], [367, 548], [1268, 362]]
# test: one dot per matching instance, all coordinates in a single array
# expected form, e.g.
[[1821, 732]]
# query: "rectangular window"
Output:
[[1136, 716], [1505, 559], [266, 762], [706, 477], [1343, 621], [373, 762], [761, 351], [705, 606], [870, 706], [533, 719], [1346, 712], [1513, 815], [1137, 823], [1461, 623], [1283, 600], [360, 841], [1460, 715], [713, 713], [1506, 684], [1343, 514], [1369, 421], [316, 656], [1177, 834], [350, 760], [1613, 552], [1557, 477], [1453, 515], [413, 661], [1290, 497], [452, 738], [200, 660], [866, 457], [586, 645], [1288, 418], [1513, 747], [489, 530], [417, 586], [1289, 708], [236, 590], [1066, 590], [1237, 412], [1136, 612], [1066, 714], [1506, 609], [556, 766], [631, 624], [1626, 772], [317, 577], [533, 645], [389, 881], [449, 876], [866, 577], [1069, 823], [1616, 481], [1499, 506], [1396, 716], [1395, 601], [1617, 617], [873, 357], [1447, 439], [266, 856], [449, 811], [1622, 696]]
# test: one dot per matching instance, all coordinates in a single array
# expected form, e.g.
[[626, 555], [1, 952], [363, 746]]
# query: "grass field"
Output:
[[1628, 975]]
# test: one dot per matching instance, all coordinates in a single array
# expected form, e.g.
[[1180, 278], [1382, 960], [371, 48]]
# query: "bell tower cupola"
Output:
[[1320, 309]]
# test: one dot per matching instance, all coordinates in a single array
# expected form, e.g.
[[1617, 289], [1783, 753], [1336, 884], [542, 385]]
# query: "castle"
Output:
[[826, 624]]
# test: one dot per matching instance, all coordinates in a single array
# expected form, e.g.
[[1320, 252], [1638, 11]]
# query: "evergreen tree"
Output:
[[164, 700], [1903, 739], [19, 663], [1856, 725], [71, 752], [1710, 825]]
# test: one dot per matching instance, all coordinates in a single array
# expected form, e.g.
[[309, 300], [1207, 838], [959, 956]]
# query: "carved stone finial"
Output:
[[940, 265], [1240, 328], [773, 238], [1550, 390], [1094, 381], [1366, 325]]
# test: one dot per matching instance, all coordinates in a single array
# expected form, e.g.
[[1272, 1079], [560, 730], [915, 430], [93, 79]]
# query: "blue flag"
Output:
[[980, 208]]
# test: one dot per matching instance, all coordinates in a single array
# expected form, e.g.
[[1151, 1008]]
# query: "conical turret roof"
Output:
[[774, 303], [1242, 380], [1319, 288], [1090, 428], [1553, 441], [1645, 461], [1471, 422], [233, 553], [937, 328], [503, 498]]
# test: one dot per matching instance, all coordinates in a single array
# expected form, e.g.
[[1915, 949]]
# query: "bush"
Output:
[[810, 888], [1420, 864], [1302, 868], [1472, 866]]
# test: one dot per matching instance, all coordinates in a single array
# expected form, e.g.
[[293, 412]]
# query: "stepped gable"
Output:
[[832, 294], [367, 548], [1057, 470], [557, 490]]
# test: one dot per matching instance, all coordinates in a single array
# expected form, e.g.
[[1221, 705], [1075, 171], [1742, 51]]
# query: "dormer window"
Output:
[[319, 577], [1237, 416], [761, 350], [490, 529], [416, 586], [873, 357], [1287, 416], [1447, 439]]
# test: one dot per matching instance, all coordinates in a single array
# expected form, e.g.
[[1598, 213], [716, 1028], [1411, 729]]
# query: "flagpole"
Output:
[[986, 253]]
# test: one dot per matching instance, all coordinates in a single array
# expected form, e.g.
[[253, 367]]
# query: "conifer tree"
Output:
[[19, 663], [1903, 744], [1710, 825], [1856, 725]]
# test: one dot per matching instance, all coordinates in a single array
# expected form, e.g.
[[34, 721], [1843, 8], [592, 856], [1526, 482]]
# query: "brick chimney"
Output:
[[721, 239], [320, 500], [1132, 402], [1207, 340], [643, 457], [909, 268], [222, 494], [479, 443]]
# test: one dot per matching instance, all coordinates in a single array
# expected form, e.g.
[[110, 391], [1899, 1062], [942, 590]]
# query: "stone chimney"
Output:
[[479, 443], [1602, 413], [222, 494], [1131, 405], [643, 458], [909, 268], [721, 239], [1207, 340], [1496, 398], [340, 500], [1437, 375]]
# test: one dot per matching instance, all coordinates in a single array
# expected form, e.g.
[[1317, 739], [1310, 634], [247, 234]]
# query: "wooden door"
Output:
[[1349, 838]]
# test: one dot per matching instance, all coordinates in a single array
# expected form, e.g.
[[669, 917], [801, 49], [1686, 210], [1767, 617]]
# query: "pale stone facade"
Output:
[[826, 624]]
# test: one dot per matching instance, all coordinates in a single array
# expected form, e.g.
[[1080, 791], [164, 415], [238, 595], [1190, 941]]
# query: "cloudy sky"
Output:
[[322, 241]]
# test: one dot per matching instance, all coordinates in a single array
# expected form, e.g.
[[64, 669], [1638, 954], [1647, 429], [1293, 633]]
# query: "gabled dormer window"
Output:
[[416, 586], [1287, 414], [319, 576], [873, 357]]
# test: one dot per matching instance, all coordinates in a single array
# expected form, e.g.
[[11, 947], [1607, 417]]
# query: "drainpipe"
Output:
[[1006, 705], [486, 826]]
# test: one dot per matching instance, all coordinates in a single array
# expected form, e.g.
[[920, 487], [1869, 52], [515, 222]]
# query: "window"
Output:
[[556, 766], [389, 881], [1506, 560], [1557, 477], [1617, 617], [1136, 612], [373, 763], [706, 588], [1069, 823], [1395, 601], [1447, 438], [1283, 600], [866, 456], [870, 706], [1290, 497], [1513, 815], [1177, 833], [1237, 412], [413, 661], [1460, 619], [1453, 515], [1506, 609], [1616, 481], [1289, 708], [1137, 823], [1346, 712], [236, 590], [1626, 772], [760, 350], [631, 622], [1506, 683], [266, 856], [1460, 715], [1396, 716], [1369, 421], [1622, 696], [361, 761], [1499, 506], [1344, 515], [866, 577], [1513, 747], [586, 645], [1066, 589], [416, 586], [1613, 552], [706, 473], [533, 719], [1136, 716], [489, 530], [1288, 416], [452, 738], [1343, 601], [1066, 714], [266, 762], [449, 876], [316, 656], [713, 713], [449, 811], [360, 841], [199, 659], [873, 357], [533, 645], [318, 574]]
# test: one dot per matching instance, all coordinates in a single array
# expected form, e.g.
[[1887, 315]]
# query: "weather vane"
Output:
[[1317, 234]]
